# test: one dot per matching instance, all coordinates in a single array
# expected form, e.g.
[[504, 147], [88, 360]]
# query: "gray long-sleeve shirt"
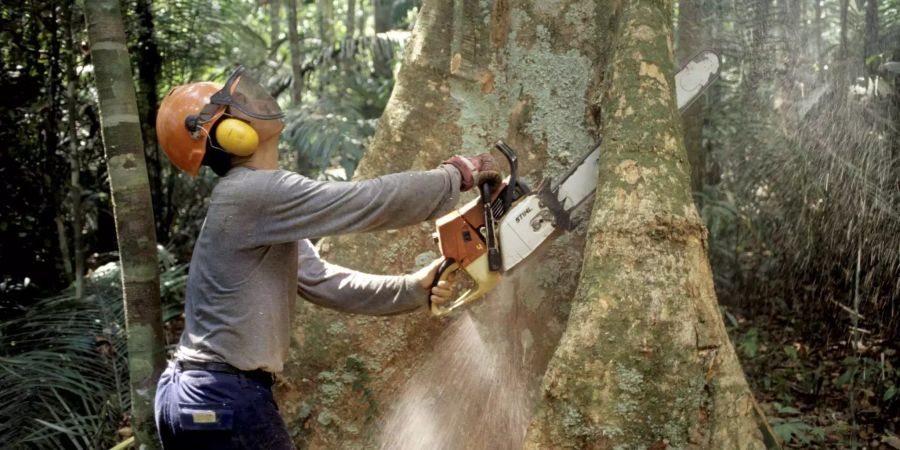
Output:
[[252, 257]]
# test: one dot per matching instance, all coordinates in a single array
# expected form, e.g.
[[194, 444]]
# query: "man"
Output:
[[253, 255]]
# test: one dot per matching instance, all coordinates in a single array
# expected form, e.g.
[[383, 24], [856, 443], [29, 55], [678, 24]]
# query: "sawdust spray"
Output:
[[477, 389]]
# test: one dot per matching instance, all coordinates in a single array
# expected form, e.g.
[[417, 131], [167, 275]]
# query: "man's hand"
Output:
[[476, 170], [441, 293]]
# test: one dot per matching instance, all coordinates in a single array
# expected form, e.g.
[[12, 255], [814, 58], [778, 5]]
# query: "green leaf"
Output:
[[845, 377], [791, 351], [800, 431], [786, 409], [750, 343], [731, 319], [890, 393]]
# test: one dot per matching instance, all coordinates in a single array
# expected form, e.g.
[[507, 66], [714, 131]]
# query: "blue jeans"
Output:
[[200, 409]]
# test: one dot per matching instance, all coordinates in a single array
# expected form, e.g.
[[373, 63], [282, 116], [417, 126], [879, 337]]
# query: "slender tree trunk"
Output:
[[645, 361], [74, 156], [382, 11], [871, 42], [759, 57], [843, 67], [297, 85], [383, 23], [363, 17], [690, 41], [51, 143], [350, 22], [792, 28], [275, 22], [843, 50], [817, 31], [325, 12], [149, 63], [121, 132]]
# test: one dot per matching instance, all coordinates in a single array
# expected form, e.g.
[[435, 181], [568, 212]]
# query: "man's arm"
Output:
[[294, 207], [345, 290]]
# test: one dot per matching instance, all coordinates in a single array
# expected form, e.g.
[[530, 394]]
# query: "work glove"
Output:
[[476, 170]]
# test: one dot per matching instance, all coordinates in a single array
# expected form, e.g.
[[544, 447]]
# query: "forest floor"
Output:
[[819, 392]]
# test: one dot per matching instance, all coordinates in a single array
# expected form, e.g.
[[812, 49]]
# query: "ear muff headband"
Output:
[[236, 137]]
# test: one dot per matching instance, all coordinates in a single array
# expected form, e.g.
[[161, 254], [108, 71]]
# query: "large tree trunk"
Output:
[[464, 83], [531, 73], [121, 131], [645, 361]]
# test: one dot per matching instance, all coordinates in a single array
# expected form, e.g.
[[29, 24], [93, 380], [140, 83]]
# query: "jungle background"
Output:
[[795, 152]]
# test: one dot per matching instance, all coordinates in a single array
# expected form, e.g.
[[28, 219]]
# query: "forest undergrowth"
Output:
[[819, 391]]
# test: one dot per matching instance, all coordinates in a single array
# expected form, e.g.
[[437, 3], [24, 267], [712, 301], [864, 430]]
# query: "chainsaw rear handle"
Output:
[[490, 236], [513, 171], [484, 279]]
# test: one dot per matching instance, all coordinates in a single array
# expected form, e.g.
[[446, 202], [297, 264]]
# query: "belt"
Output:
[[258, 374]]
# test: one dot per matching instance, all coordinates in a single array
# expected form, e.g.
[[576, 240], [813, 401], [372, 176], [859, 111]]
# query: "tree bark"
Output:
[[297, 85], [645, 361], [121, 132]]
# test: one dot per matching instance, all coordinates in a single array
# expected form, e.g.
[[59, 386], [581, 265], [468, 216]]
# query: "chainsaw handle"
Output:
[[443, 273], [484, 280]]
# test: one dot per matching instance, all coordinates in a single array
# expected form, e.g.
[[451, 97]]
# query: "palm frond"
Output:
[[63, 365]]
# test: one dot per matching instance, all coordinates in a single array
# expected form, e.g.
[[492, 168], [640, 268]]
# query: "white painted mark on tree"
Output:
[[117, 119], [109, 45]]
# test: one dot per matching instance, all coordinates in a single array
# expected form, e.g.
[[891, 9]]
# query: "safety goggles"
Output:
[[242, 92]]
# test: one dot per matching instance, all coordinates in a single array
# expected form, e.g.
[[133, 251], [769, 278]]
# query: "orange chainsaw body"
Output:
[[460, 236], [460, 232]]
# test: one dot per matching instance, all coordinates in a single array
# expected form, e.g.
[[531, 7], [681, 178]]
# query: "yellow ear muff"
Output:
[[236, 137]]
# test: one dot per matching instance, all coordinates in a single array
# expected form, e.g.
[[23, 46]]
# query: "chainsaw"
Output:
[[505, 224]]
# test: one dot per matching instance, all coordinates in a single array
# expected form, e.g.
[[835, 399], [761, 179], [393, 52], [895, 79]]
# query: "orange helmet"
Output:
[[183, 147], [188, 113]]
